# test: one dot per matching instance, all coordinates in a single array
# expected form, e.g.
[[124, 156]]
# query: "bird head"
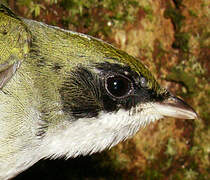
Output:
[[116, 82], [108, 96]]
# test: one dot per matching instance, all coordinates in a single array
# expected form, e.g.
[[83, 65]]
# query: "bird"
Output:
[[65, 94]]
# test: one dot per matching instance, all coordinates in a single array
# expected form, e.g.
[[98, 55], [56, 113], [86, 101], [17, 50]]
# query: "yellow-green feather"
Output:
[[69, 49], [14, 38]]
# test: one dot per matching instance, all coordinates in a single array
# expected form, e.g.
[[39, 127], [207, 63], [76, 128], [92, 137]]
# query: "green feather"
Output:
[[14, 43]]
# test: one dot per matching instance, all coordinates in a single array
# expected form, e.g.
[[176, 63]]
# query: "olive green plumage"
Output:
[[67, 49], [14, 40]]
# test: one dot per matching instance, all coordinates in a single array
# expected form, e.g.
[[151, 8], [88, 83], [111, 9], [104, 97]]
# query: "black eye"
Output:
[[118, 86]]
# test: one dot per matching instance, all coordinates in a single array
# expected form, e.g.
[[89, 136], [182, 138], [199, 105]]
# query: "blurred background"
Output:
[[172, 37]]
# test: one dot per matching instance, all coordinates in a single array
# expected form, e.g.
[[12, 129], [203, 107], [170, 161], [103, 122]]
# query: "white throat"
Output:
[[90, 135]]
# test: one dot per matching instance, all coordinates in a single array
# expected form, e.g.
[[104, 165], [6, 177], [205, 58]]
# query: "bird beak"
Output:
[[175, 107]]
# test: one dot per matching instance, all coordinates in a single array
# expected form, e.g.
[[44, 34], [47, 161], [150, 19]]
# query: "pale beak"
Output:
[[175, 107]]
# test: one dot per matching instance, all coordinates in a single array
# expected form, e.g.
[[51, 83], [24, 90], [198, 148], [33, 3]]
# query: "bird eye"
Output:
[[143, 82], [118, 86]]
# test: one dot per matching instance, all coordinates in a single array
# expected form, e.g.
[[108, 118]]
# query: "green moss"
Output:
[[205, 39], [177, 176], [90, 16], [205, 113], [181, 41], [178, 3], [176, 17], [152, 174], [99, 16], [192, 13], [35, 7], [190, 174], [149, 12], [181, 38], [170, 147], [182, 77]]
